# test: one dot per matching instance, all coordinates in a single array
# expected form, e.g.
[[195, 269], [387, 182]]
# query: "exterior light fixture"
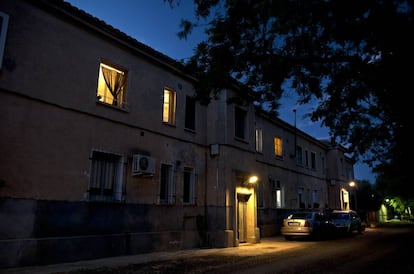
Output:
[[253, 179], [352, 184]]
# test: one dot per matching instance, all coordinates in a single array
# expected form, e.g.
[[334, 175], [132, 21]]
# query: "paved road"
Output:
[[378, 250]]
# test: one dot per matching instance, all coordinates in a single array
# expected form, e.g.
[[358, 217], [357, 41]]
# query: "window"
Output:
[[189, 196], [299, 159], [313, 160], [166, 184], [106, 174], [277, 193], [315, 199], [168, 114], [240, 123], [190, 105], [306, 159], [4, 21], [300, 198], [259, 140], [112, 86], [323, 164], [260, 200], [278, 146]]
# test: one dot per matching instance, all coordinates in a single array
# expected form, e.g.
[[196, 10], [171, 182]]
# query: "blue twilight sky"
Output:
[[155, 24]]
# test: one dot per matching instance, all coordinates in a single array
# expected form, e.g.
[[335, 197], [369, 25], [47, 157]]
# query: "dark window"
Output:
[[105, 177], [313, 160], [166, 184], [240, 123], [189, 186], [190, 105]]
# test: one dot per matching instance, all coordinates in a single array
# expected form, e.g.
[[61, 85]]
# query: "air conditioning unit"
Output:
[[142, 165]]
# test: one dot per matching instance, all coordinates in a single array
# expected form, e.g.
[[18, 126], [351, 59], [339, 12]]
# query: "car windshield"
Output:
[[301, 215], [340, 216]]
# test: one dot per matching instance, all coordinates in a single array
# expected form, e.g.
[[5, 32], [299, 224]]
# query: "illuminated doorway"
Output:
[[242, 216], [344, 199]]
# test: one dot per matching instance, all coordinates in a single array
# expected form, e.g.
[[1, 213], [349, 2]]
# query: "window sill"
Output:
[[190, 130], [112, 106], [241, 140], [169, 124]]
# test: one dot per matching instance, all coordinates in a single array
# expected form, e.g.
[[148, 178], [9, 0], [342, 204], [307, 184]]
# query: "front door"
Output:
[[242, 221]]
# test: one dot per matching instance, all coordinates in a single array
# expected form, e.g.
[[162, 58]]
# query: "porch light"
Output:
[[253, 179]]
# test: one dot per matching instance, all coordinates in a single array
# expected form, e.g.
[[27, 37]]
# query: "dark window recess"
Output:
[[240, 123], [190, 105]]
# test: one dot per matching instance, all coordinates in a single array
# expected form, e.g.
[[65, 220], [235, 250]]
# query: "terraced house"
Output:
[[105, 151]]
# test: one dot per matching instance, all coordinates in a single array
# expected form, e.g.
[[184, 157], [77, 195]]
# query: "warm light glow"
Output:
[[169, 107], [352, 184], [243, 190], [253, 179]]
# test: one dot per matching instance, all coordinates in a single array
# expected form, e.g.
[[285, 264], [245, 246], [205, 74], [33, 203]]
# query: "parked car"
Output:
[[347, 221], [311, 224]]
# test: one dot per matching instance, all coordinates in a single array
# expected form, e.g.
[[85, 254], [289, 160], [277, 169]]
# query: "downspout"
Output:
[[206, 240]]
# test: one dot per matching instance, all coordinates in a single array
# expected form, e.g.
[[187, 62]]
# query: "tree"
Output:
[[353, 57], [369, 199]]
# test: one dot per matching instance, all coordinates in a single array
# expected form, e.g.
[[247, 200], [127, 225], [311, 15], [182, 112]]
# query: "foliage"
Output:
[[401, 207], [353, 57], [369, 199]]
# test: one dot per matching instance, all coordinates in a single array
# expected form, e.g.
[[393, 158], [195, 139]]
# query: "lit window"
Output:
[[4, 21], [168, 115], [189, 196], [166, 184], [259, 140], [277, 193], [278, 146], [106, 174], [112, 86], [240, 123], [190, 108]]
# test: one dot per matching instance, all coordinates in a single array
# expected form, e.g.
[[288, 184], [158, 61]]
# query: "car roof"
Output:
[[343, 211]]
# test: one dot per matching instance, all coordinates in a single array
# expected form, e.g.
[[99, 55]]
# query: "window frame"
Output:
[[3, 34], [278, 146], [103, 93], [240, 123], [299, 155], [259, 140], [167, 187], [189, 187], [277, 193], [313, 160], [102, 162], [169, 107]]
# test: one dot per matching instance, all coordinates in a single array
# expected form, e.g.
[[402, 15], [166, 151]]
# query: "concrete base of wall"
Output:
[[268, 230], [39, 232], [43, 251]]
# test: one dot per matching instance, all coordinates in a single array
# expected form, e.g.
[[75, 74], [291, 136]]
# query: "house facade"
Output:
[[105, 151]]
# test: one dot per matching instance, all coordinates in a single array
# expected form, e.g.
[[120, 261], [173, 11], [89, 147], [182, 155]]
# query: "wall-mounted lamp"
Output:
[[250, 180], [352, 184]]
